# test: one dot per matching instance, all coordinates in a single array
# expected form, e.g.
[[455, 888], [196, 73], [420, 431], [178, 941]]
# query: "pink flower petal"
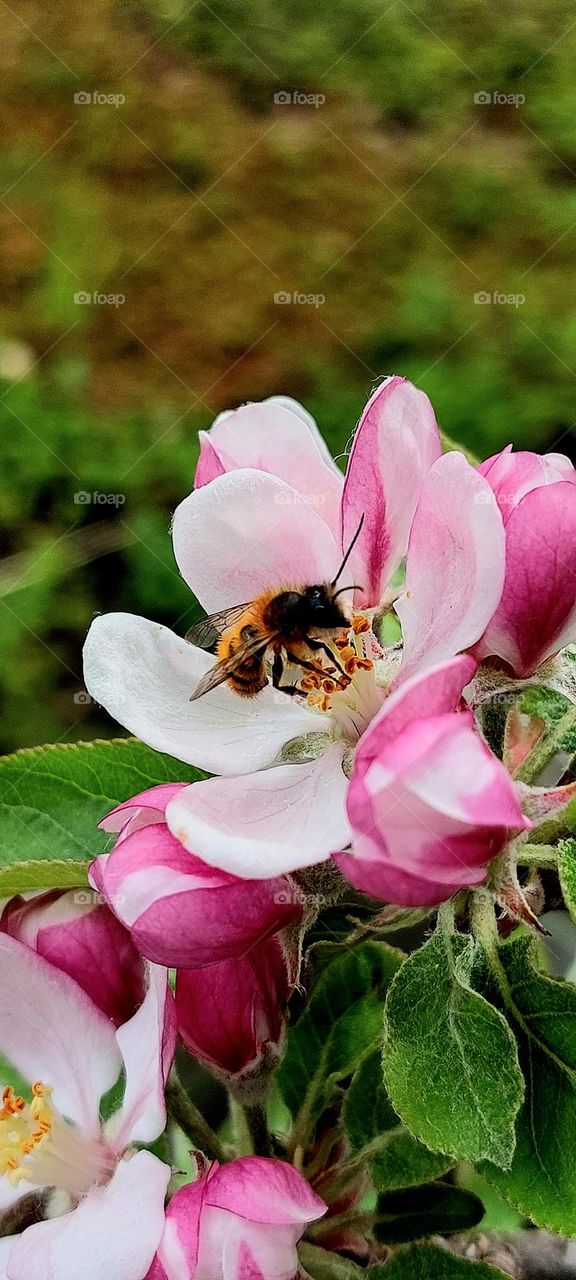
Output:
[[247, 532], [428, 693], [275, 436], [112, 1234], [265, 1191], [144, 675], [536, 616], [455, 565], [287, 817], [153, 801], [394, 447], [177, 1255], [512, 475], [51, 1031], [147, 1044], [182, 912]]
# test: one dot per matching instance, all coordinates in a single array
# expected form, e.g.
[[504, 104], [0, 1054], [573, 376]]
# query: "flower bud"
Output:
[[181, 912], [536, 617], [429, 804], [231, 1015], [76, 931], [241, 1219]]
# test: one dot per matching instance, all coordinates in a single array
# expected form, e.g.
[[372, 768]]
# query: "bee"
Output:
[[291, 625]]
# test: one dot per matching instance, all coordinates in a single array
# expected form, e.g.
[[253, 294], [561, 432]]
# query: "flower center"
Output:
[[347, 690], [37, 1145]]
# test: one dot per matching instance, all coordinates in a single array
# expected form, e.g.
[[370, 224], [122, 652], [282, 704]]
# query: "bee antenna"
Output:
[[355, 586], [348, 552]]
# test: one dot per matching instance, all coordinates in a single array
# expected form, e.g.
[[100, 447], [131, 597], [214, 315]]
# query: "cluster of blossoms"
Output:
[[383, 776]]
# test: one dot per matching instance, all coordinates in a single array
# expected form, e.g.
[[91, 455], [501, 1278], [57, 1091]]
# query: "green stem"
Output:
[[537, 855], [322, 1265], [257, 1126], [192, 1122]]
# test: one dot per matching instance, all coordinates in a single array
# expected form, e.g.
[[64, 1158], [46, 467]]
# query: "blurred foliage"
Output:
[[197, 198]]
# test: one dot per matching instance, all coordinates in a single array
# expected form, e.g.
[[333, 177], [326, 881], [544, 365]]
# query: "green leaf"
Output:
[[439, 1209], [428, 1262], [398, 1160], [450, 1059], [51, 798], [541, 1182], [321, 1264], [556, 746], [567, 874], [55, 873], [341, 1024]]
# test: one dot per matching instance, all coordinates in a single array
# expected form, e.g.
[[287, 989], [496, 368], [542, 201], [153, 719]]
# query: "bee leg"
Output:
[[319, 644], [277, 673]]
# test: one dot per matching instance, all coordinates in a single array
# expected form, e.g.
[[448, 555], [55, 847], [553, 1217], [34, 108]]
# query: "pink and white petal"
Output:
[[536, 616], [153, 801], [288, 817], [51, 1031], [255, 1252], [513, 475], [265, 1191], [455, 565], [246, 532], [178, 1249], [385, 880], [143, 674], [147, 1043], [182, 912], [430, 692], [274, 436], [396, 442], [114, 1231]]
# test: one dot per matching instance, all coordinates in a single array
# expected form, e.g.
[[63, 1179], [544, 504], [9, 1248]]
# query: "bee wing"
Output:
[[227, 666], [206, 632]]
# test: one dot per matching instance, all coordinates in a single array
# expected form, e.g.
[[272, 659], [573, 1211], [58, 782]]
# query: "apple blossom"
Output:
[[179, 910], [536, 616], [266, 511], [429, 804], [232, 1014], [77, 932], [240, 1220], [105, 1206]]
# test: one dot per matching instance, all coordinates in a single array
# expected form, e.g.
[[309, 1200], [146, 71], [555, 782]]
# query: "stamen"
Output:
[[360, 624], [38, 1146]]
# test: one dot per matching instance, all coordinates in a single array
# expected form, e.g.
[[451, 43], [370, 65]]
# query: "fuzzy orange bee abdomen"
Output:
[[249, 677]]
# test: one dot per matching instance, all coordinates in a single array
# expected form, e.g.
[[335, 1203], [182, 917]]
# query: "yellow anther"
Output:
[[364, 664], [360, 624]]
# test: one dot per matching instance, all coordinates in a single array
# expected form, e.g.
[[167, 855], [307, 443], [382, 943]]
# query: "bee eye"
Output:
[[315, 594]]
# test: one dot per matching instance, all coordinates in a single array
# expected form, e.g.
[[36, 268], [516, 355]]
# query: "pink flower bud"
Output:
[[180, 911], [231, 1014], [77, 932], [429, 804], [536, 616], [241, 1219]]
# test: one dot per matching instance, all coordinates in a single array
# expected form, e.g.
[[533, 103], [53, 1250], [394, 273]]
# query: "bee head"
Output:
[[323, 609]]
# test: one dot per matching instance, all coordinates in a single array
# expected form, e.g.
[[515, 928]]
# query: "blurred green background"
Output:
[[417, 156]]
